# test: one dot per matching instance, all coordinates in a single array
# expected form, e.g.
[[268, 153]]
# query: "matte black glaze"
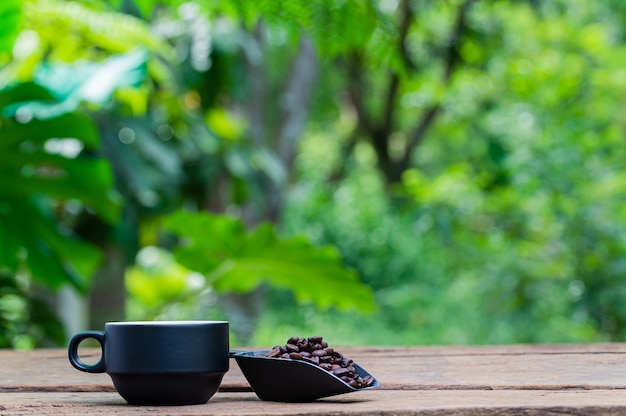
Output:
[[160, 363], [166, 348], [167, 389], [283, 380]]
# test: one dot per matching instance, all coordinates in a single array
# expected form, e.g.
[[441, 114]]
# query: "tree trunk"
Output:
[[73, 310], [243, 310], [108, 293]]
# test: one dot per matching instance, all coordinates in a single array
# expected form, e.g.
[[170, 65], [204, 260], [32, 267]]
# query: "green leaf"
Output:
[[24, 92], [237, 260], [145, 7], [27, 167], [89, 181], [26, 320], [38, 131], [9, 241], [110, 31], [10, 16], [73, 84], [157, 278], [313, 274], [53, 256], [93, 82], [218, 236], [34, 176], [336, 26]]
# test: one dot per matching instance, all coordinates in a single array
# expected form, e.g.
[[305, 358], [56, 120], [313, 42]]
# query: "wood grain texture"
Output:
[[491, 380], [373, 402]]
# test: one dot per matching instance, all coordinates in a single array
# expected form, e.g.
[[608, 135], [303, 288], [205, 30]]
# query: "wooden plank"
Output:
[[601, 366], [373, 402], [515, 349], [49, 370], [502, 371]]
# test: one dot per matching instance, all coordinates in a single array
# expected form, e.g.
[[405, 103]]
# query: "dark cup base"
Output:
[[167, 389]]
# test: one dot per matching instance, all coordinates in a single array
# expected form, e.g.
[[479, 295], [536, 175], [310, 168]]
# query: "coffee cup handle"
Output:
[[98, 367]]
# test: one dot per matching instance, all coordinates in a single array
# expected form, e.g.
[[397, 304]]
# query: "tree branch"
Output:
[[452, 58], [392, 91], [254, 61], [345, 152], [295, 100], [356, 86]]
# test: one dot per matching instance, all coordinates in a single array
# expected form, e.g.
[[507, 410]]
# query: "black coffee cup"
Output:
[[159, 362]]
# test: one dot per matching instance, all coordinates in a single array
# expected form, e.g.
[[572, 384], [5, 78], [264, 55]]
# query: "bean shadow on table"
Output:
[[252, 398]]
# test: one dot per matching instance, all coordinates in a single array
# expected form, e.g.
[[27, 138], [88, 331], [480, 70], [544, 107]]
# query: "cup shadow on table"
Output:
[[118, 401]]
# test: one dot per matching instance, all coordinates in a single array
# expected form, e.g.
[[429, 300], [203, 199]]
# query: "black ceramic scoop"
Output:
[[285, 380]]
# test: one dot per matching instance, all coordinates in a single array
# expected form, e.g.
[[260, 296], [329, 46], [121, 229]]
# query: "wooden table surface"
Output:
[[491, 380]]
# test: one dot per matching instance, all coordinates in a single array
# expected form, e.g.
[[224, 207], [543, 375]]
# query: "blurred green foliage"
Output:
[[150, 127], [510, 225], [26, 319], [225, 257], [236, 260], [48, 165], [464, 157], [10, 14]]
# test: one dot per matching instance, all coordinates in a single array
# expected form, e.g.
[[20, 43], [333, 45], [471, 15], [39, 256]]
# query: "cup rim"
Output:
[[163, 323]]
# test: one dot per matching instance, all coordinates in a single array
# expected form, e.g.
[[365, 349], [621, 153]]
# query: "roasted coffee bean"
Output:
[[316, 351], [314, 360], [340, 371], [275, 352], [368, 381]]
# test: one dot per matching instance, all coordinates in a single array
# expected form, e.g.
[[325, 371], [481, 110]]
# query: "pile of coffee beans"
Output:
[[315, 350]]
